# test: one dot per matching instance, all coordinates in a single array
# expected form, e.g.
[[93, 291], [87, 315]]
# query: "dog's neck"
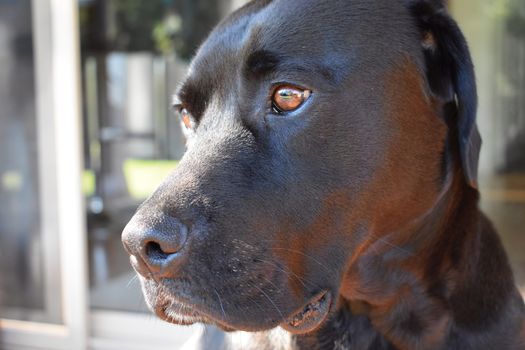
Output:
[[387, 294], [396, 288], [443, 274], [450, 273], [401, 281], [391, 276]]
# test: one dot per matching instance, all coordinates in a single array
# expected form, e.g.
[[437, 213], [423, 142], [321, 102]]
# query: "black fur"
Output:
[[195, 97], [358, 196], [450, 73], [261, 62]]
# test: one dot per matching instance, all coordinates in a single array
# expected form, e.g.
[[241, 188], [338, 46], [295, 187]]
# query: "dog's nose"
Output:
[[156, 246]]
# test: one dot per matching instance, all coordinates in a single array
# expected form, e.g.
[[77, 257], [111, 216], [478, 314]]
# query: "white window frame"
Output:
[[56, 57]]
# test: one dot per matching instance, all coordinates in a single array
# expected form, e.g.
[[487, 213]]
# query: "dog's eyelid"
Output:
[[179, 107], [176, 107]]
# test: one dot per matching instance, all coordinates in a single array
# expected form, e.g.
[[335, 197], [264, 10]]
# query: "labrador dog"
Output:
[[328, 196]]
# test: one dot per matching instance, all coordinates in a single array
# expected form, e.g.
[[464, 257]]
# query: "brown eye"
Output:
[[289, 98], [186, 118]]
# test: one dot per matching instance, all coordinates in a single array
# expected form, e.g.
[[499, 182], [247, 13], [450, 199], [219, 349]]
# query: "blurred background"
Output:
[[86, 134]]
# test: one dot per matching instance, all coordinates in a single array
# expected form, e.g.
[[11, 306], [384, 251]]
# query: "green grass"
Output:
[[88, 183], [142, 176]]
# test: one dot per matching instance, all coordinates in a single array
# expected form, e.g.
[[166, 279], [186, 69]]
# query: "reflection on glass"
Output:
[[22, 285]]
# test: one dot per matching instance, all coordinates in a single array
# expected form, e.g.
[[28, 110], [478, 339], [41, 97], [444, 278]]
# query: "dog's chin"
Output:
[[182, 315], [305, 319], [178, 315], [185, 320], [181, 308]]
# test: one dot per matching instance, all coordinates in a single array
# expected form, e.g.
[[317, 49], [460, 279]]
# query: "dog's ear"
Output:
[[450, 74]]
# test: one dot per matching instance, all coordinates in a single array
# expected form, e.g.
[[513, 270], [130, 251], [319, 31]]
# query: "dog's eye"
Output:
[[288, 98], [185, 116]]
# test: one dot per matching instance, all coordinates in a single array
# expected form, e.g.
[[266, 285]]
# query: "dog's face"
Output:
[[311, 130]]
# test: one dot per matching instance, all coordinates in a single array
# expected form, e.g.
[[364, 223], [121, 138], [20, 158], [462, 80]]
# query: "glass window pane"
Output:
[[24, 291]]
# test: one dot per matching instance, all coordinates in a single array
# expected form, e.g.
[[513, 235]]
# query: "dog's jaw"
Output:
[[311, 316], [175, 304]]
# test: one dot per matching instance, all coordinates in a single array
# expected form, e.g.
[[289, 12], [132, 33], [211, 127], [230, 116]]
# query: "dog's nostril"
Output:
[[157, 246], [155, 253]]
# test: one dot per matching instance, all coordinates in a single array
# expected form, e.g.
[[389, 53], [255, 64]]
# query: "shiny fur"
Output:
[[368, 191]]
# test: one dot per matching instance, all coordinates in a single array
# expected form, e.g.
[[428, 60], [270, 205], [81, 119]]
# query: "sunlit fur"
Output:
[[367, 191]]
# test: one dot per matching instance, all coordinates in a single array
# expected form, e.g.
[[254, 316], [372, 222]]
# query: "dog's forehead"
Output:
[[309, 28]]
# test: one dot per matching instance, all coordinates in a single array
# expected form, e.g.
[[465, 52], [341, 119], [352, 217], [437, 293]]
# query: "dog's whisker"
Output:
[[327, 269], [277, 289], [254, 302], [330, 271], [270, 300], [220, 302], [288, 272], [250, 284], [133, 279], [393, 245]]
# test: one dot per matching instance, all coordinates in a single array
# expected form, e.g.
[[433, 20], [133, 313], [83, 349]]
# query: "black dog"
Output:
[[329, 186]]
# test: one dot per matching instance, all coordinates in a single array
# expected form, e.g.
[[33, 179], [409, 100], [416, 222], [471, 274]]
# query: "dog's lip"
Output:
[[305, 319], [164, 312], [188, 314], [311, 315]]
